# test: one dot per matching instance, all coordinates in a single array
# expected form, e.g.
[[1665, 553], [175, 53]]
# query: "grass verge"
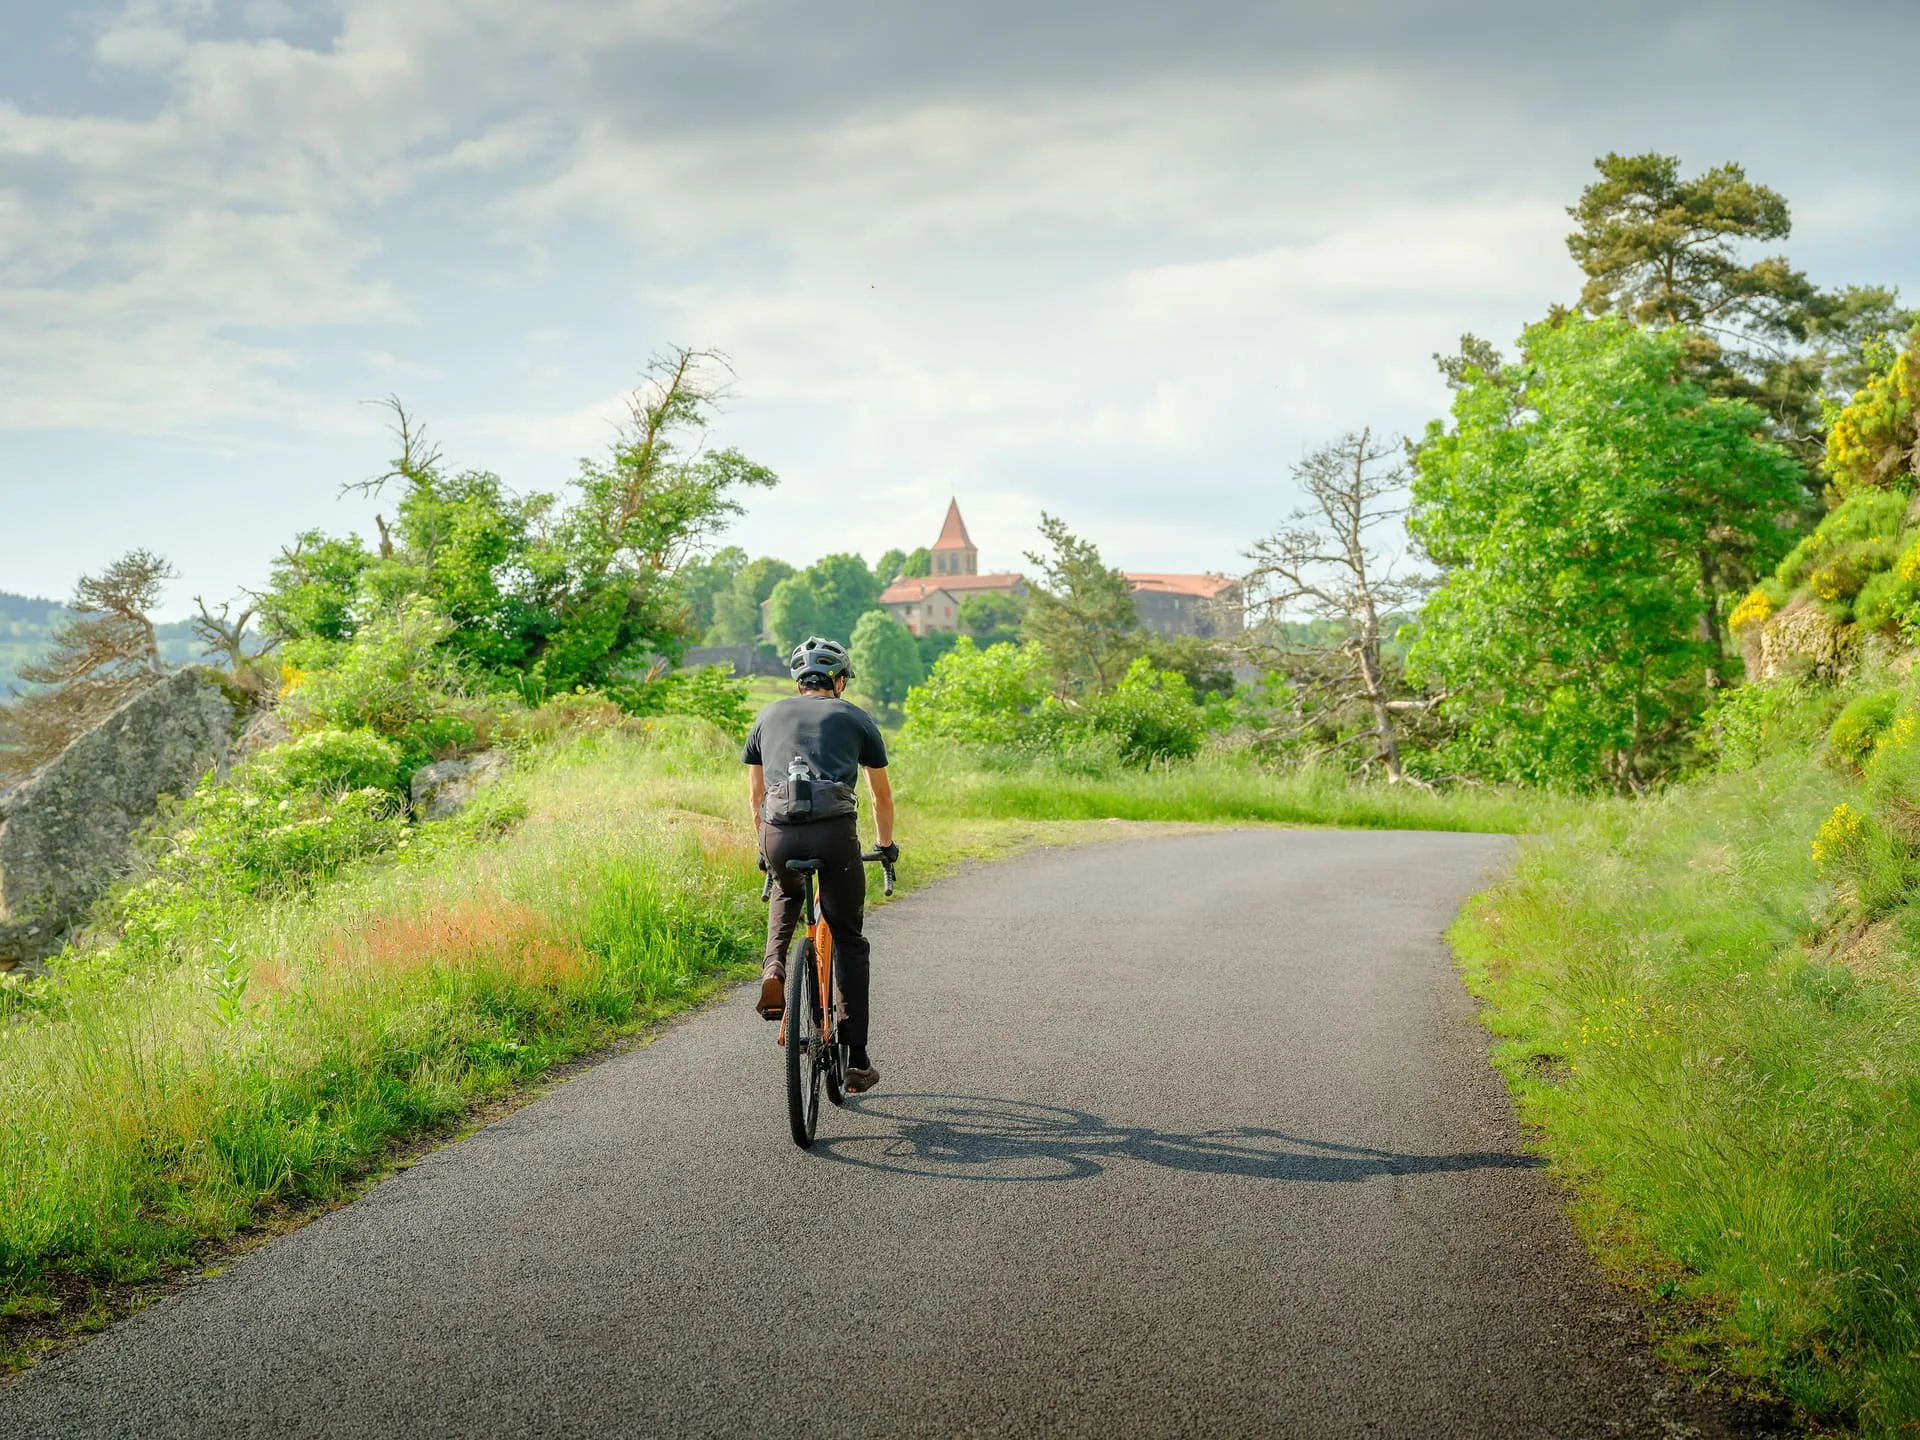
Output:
[[1730, 1085]]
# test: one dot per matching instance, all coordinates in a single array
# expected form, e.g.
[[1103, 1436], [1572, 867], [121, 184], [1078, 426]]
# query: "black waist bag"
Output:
[[832, 800]]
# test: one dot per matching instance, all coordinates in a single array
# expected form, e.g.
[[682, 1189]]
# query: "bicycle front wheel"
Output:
[[803, 1046]]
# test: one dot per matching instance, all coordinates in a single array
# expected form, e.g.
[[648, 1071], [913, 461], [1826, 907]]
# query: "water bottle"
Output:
[[799, 789]]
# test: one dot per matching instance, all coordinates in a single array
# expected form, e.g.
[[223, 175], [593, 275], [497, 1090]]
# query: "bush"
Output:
[[707, 692], [1150, 714], [1854, 731], [1747, 723], [394, 681], [331, 762], [977, 697], [1873, 515]]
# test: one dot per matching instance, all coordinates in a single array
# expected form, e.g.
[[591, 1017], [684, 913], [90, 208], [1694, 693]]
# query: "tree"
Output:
[[702, 583], [736, 610], [846, 590], [543, 595], [992, 615], [1662, 249], [1328, 563], [102, 653], [918, 565], [1578, 503], [887, 568], [977, 697], [1080, 615], [886, 662], [793, 612]]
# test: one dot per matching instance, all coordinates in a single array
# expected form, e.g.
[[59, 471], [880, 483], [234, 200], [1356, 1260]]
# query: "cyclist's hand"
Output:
[[888, 853], [761, 861]]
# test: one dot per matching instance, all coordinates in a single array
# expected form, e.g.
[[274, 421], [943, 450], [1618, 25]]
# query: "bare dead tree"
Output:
[[227, 636], [103, 653], [1329, 564]]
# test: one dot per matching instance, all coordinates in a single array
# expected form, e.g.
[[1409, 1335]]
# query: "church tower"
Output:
[[954, 552]]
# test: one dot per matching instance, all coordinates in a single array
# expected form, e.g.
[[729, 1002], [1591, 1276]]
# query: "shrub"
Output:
[[1869, 516], [329, 762], [393, 680], [1746, 723], [1845, 572], [1854, 731], [1150, 714], [977, 697], [708, 692]]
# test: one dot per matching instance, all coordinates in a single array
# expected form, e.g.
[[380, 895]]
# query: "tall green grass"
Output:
[[147, 1112], [1732, 1084], [1215, 789]]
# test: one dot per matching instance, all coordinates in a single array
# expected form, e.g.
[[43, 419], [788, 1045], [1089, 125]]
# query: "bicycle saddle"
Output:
[[800, 865]]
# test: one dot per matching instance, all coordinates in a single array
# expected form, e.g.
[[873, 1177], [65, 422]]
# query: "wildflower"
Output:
[[1753, 610]]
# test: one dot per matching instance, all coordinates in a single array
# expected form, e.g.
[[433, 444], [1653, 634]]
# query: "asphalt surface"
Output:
[[1188, 1136]]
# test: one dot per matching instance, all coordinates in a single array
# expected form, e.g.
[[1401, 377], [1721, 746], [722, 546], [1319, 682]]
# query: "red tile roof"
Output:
[[953, 534], [1201, 587], [909, 592]]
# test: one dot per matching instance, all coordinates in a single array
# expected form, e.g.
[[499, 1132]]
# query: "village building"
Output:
[[932, 602], [1205, 605]]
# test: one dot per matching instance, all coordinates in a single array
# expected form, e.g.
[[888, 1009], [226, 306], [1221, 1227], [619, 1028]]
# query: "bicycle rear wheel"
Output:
[[836, 1053], [802, 1022]]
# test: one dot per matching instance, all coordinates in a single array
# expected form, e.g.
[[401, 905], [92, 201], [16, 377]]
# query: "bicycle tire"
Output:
[[836, 1056], [802, 1047]]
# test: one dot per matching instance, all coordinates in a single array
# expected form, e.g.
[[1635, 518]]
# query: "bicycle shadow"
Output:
[[977, 1137]]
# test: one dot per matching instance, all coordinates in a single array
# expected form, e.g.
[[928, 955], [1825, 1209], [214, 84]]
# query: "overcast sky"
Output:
[[1118, 259]]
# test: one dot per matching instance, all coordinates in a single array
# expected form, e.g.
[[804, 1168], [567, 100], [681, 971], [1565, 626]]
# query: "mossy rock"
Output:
[[1804, 641]]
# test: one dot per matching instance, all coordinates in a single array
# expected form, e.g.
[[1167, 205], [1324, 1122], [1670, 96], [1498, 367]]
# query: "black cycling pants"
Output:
[[841, 885]]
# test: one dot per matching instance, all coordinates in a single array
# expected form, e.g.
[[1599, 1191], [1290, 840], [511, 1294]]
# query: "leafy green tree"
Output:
[[543, 596], [992, 616], [888, 566], [1080, 615], [703, 582], [1585, 503], [794, 612], [886, 662], [918, 565], [736, 610], [846, 590]]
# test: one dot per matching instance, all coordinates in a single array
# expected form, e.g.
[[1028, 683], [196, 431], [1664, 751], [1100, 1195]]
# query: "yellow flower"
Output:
[[1753, 610], [1839, 833]]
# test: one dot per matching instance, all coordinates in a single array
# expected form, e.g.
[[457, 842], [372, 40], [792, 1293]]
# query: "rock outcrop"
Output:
[[66, 832], [443, 789], [1803, 640]]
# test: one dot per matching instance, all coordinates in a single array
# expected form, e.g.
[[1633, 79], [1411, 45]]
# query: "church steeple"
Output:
[[954, 552]]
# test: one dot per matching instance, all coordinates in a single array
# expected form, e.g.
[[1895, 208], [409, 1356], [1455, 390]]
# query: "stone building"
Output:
[[933, 601], [1204, 605]]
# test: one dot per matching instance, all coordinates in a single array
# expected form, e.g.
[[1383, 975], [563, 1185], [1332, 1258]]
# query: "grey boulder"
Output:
[[66, 832], [442, 789]]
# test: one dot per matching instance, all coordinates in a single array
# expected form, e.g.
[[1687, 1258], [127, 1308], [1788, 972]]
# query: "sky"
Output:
[[1119, 260]]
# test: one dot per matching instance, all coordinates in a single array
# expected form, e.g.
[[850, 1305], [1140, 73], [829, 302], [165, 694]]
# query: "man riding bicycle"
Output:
[[815, 744]]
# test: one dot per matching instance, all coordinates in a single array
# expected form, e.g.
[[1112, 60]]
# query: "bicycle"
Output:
[[807, 1028]]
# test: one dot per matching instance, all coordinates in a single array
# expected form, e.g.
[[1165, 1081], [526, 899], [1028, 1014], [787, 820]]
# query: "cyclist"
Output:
[[813, 745]]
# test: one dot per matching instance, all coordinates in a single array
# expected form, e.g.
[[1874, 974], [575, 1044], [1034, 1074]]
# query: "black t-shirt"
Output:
[[834, 737]]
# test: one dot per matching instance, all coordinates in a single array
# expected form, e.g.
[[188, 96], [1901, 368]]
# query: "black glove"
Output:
[[761, 861], [888, 853]]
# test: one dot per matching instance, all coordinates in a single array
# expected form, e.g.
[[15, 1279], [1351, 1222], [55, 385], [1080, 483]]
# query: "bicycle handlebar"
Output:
[[872, 858]]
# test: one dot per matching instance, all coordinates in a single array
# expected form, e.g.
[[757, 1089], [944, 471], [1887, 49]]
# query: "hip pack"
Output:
[[827, 800]]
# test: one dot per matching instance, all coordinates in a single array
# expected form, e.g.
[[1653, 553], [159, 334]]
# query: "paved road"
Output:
[[1189, 1136]]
